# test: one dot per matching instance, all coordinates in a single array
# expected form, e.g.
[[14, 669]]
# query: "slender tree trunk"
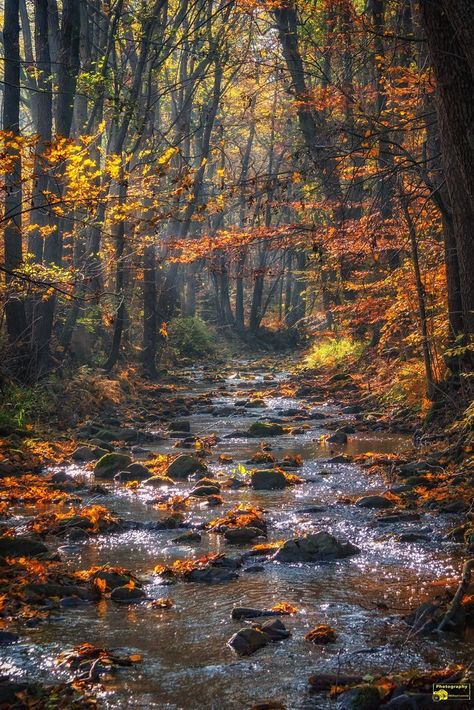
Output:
[[150, 324], [420, 292], [120, 280]]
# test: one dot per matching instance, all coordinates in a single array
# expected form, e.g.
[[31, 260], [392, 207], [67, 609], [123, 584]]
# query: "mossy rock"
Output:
[[262, 429], [110, 464], [184, 465], [134, 472]]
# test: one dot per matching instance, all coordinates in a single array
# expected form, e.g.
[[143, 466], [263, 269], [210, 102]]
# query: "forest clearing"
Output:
[[236, 354]]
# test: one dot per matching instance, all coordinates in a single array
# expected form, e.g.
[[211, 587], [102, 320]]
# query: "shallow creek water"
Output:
[[186, 662]]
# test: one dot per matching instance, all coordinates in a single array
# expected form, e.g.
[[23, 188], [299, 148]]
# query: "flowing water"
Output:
[[186, 662]]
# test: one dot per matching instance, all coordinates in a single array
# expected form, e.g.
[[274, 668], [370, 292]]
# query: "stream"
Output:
[[186, 664]]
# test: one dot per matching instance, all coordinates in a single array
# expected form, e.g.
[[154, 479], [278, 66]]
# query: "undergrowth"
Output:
[[330, 352]]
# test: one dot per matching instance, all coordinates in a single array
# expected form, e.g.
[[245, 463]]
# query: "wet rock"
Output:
[[316, 414], [214, 500], [290, 412], [187, 537], [77, 534], [181, 425], [110, 464], [211, 575], [364, 697], [71, 602], [413, 537], [339, 437], [274, 629], [255, 404], [376, 501], [157, 481], [262, 429], [133, 472], [342, 458], [97, 443], [245, 612], [239, 536], [347, 429], [88, 453], [247, 641], [352, 409], [311, 509], [7, 638], [268, 480], [112, 579], [453, 506], [184, 465], [234, 483], [427, 617], [61, 477], [315, 547], [21, 547], [126, 595], [204, 491]]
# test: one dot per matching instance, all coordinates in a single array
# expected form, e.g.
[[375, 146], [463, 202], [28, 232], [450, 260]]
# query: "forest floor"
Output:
[[233, 536]]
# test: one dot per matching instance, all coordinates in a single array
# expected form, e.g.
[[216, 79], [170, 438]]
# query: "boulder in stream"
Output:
[[262, 429], [268, 479], [376, 501], [85, 454], [127, 595], [184, 465], [339, 437], [247, 641], [239, 536], [134, 472], [110, 464], [315, 547]]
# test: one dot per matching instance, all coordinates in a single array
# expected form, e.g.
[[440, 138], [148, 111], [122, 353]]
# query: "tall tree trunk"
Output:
[[13, 255], [454, 70], [120, 280], [150, 324]]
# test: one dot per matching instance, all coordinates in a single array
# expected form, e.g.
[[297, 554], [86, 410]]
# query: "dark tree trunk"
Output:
[[13, 256], [452, 64]]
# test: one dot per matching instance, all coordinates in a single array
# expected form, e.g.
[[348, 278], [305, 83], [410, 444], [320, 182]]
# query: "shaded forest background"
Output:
[[274, 174]]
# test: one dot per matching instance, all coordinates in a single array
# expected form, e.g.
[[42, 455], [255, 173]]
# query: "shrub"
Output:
[[330, 352], [190, 337]]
